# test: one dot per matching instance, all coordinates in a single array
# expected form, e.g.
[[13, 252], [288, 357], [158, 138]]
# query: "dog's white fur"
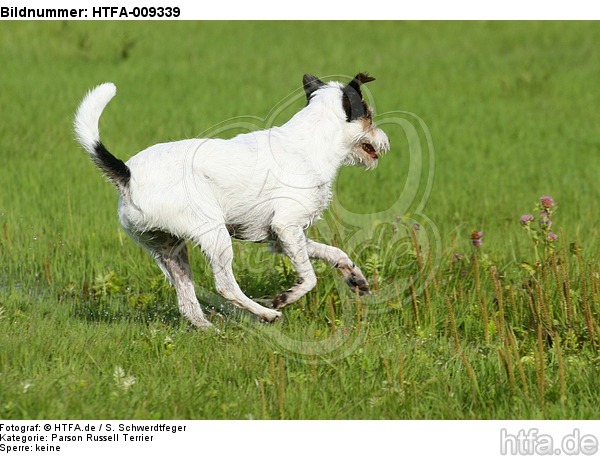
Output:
[[265, 185]]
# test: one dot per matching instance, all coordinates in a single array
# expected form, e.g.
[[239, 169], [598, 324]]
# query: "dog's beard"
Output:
[[360, 159], [367, 147]]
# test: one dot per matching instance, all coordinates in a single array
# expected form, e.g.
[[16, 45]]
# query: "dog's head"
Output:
[[365, 142]]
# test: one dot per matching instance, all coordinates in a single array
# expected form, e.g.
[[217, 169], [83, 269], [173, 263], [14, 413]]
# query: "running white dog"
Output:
[[268, 185]]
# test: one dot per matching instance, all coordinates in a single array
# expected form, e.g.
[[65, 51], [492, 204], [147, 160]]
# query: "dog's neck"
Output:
[[316, 129]]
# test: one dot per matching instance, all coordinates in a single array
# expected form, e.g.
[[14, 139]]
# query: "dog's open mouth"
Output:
[[369, 149]]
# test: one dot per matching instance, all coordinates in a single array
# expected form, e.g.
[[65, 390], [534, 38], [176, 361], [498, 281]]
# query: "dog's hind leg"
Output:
[[339, 259], [293, 243], [177, 264], [171, 255], [216, 244]]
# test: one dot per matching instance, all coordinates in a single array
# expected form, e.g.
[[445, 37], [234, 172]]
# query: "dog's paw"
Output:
[[270, 315], [358, 283], [203, 325], [280, 301]]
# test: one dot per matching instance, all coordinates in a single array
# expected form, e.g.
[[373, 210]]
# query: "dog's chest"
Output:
[[254, 218], [323, 196], [305, 206]]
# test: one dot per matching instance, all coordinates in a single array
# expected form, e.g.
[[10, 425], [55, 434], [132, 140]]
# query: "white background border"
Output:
[[351, 10]]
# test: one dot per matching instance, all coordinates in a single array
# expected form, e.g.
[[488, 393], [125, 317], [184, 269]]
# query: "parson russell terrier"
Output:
[[268, 185]]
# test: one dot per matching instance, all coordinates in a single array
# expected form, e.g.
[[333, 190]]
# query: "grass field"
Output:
[[89, 328]]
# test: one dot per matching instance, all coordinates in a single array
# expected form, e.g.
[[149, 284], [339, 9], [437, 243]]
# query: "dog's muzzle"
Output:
[[375, 143]]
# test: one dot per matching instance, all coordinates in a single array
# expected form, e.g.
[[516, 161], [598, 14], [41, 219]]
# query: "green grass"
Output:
[[90, 330]]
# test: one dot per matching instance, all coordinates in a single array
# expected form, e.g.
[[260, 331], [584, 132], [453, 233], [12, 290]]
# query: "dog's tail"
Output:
[[86, 131]]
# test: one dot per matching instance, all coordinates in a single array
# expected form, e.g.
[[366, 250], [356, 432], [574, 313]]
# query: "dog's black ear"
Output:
[[360, 79], [311, 85], [353, 103]]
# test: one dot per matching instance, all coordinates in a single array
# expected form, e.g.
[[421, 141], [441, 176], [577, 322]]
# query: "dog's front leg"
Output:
[[293, 243], [339, 259]]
